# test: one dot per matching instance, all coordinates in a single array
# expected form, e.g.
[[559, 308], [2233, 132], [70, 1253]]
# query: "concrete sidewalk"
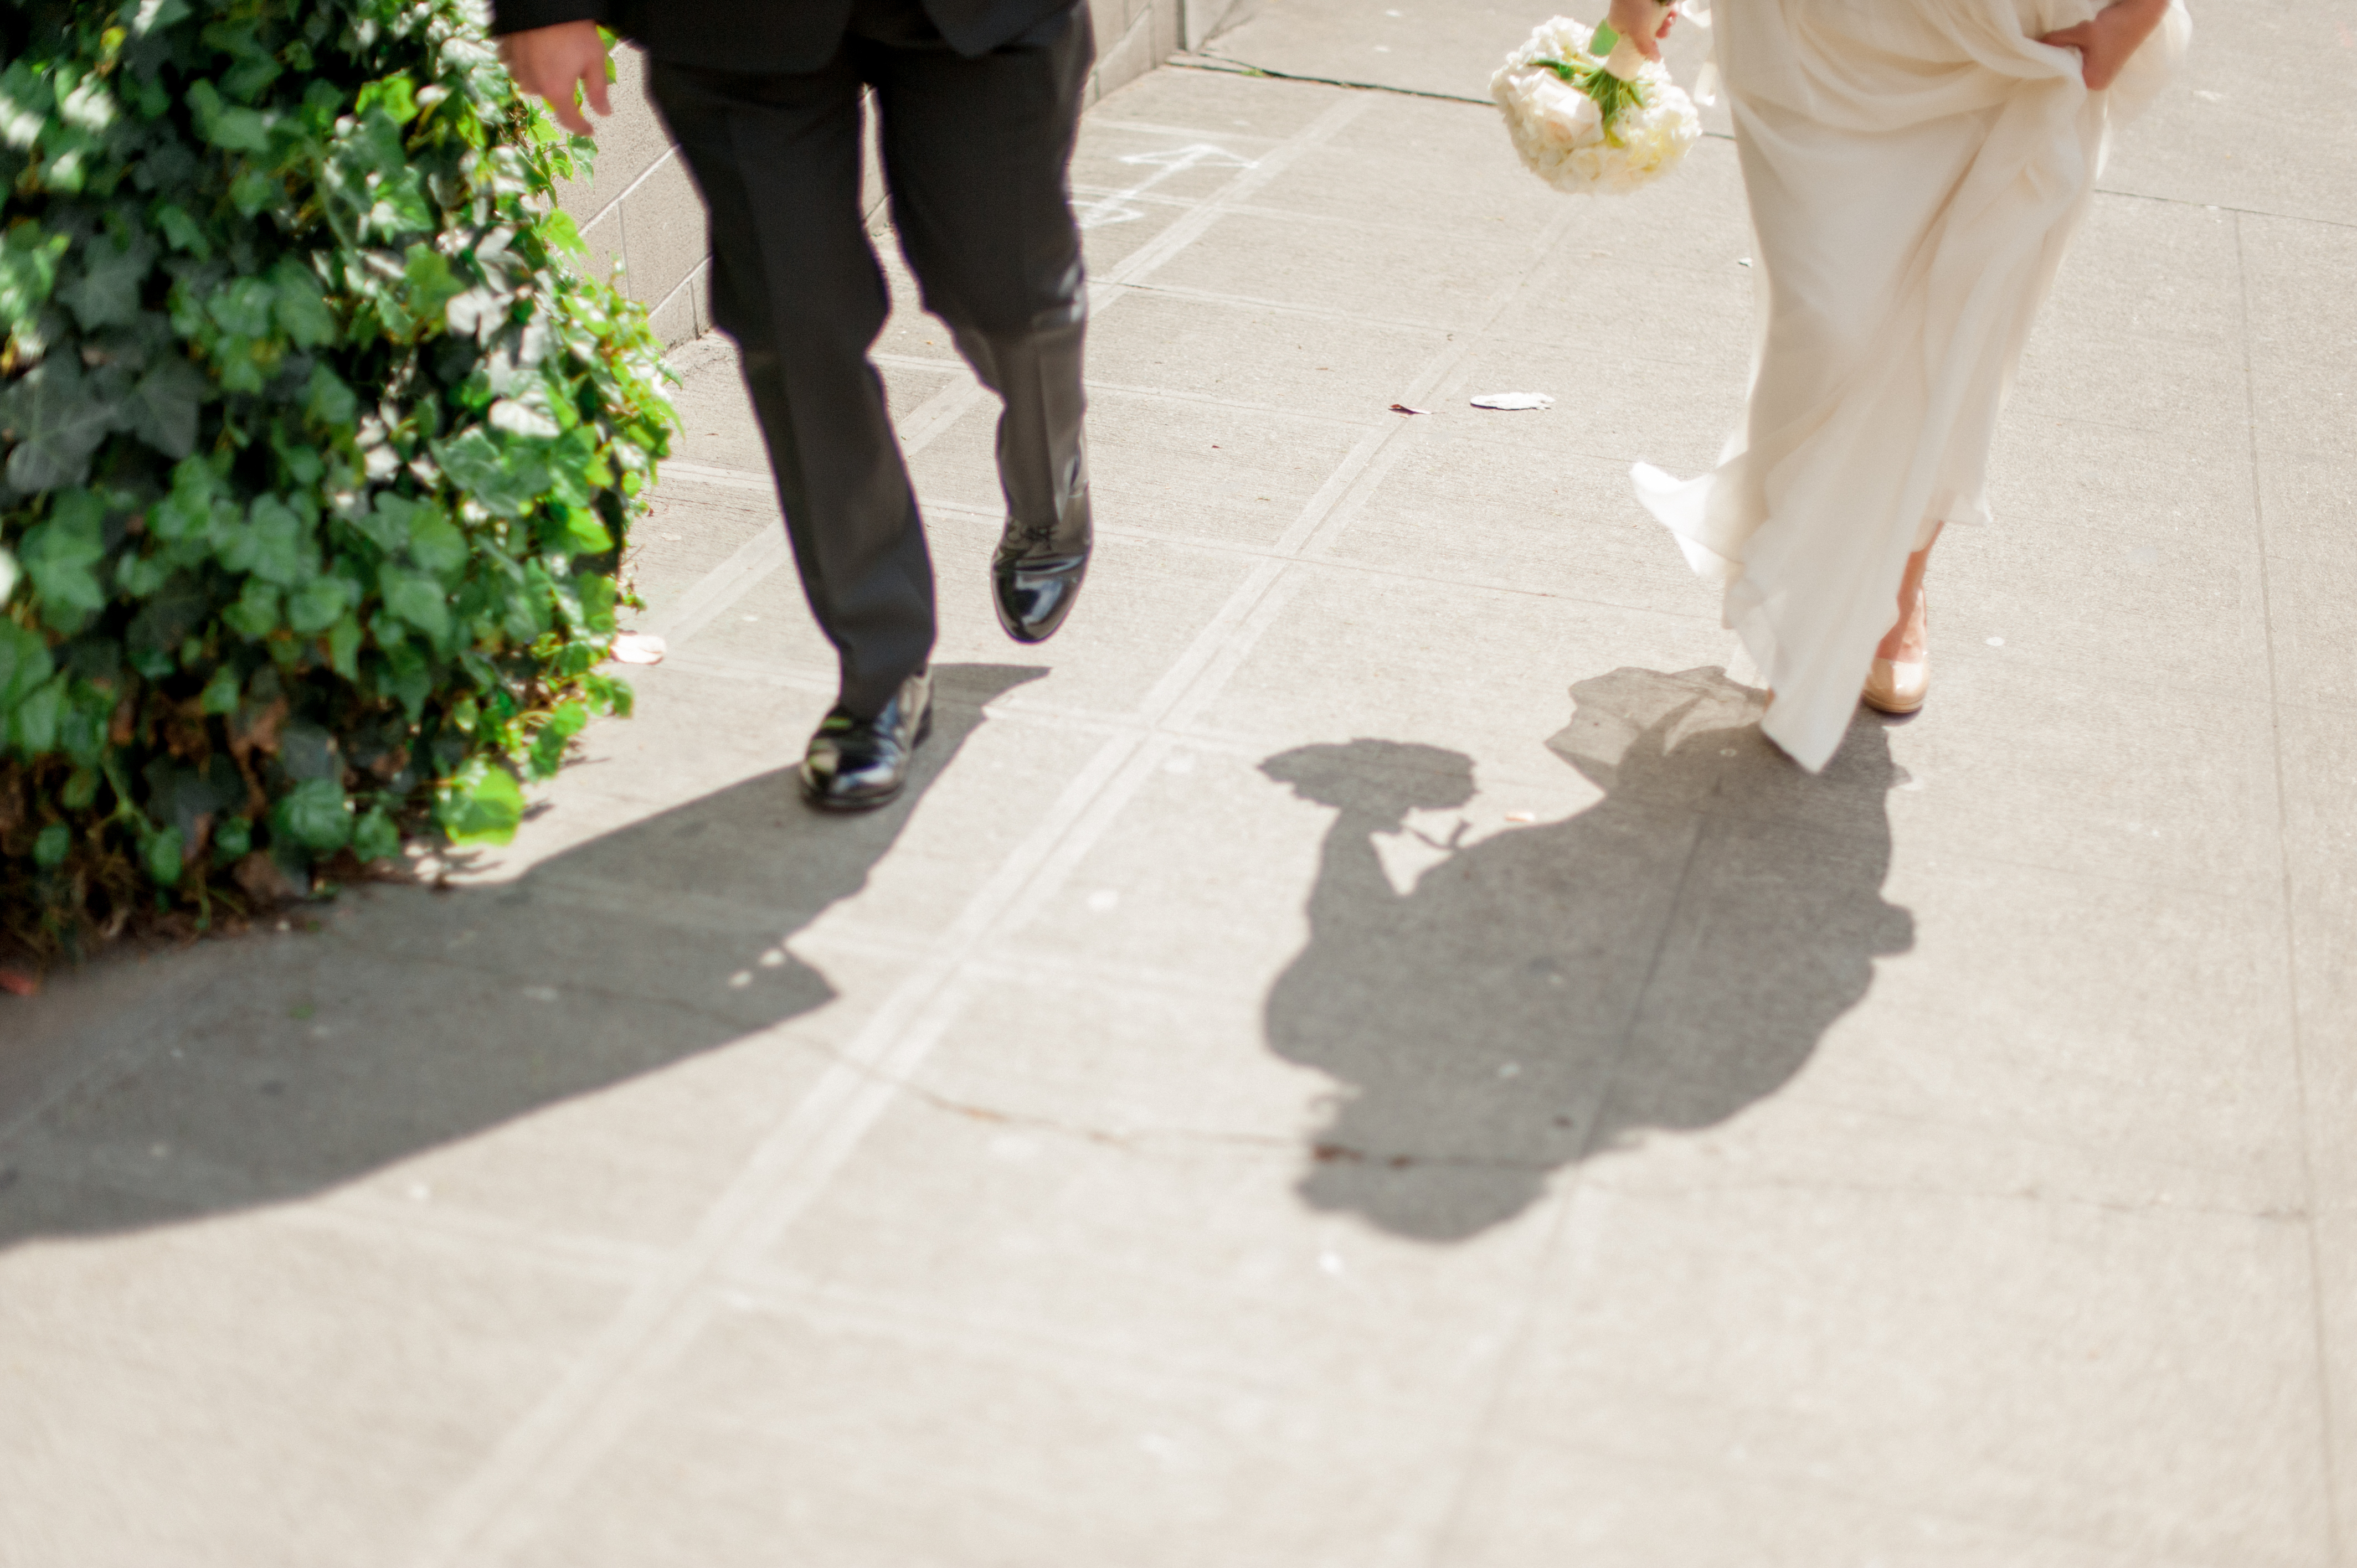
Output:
[[1356, 1054]]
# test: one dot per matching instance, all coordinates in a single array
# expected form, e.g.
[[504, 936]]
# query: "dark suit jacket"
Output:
[[766, 35]]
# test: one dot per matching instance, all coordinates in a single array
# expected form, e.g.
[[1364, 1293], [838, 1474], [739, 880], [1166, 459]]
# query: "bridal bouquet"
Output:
[[1587, 112]]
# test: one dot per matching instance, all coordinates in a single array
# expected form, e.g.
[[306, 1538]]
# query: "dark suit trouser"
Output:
[[975, 156]]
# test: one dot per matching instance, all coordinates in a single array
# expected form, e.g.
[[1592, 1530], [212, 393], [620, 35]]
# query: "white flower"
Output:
[[1561, 135]]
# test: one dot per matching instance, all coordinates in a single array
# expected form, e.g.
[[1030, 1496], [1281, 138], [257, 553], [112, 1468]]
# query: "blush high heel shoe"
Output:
[[1899, 686], [1895, 686]]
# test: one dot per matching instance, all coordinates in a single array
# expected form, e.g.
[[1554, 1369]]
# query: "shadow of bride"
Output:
[[1664, 958], [253, 1072]]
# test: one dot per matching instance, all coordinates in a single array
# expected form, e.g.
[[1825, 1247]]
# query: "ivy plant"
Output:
[[318, 449]]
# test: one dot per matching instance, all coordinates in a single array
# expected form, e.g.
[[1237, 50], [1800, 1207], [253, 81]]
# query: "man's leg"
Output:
[[796, 284], [976, 152]]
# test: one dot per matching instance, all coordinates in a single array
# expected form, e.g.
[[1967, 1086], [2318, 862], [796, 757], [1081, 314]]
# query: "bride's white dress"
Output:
[[1915, 168]]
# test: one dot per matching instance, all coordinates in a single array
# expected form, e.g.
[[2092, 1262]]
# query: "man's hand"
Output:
[[1643, 23], [553, 61], [2105, 42]]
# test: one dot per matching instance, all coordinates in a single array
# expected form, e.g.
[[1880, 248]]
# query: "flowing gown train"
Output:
[[1915, 169]]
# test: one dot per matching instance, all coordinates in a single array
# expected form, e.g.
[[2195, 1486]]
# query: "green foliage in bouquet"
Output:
[[1612, 94], [318, 454]]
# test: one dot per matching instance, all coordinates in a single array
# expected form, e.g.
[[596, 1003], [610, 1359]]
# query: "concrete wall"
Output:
[[642, 208]]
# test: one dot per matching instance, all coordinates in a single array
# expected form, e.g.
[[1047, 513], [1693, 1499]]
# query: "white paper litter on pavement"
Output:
[[638, 648], [1512, 400]]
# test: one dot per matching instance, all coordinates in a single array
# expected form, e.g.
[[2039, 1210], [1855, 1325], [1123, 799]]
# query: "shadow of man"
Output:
[[1664, 958], [435, 1016]]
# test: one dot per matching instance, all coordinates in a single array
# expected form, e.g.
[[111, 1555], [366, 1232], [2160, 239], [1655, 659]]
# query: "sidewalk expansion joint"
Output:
[[1227, 65]]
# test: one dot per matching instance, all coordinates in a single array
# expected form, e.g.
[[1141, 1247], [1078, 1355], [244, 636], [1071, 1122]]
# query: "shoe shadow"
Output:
[[158, 1093], [1662, 960]]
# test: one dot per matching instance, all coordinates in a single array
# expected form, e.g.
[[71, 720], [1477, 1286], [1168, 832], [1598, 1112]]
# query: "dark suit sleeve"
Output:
[[521, 15]]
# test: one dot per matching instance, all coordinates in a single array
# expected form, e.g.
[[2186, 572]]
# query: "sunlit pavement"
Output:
[[1356, 1053]]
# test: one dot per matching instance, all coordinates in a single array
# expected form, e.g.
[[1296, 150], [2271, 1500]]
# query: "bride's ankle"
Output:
[[1908, 642]]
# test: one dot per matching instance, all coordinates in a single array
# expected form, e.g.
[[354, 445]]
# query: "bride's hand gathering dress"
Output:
[[1915, 169]]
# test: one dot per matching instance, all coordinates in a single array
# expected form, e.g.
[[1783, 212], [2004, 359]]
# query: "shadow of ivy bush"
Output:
[[318, 451]]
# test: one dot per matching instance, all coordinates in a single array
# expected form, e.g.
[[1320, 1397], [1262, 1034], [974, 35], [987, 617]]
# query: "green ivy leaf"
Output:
[[274, 545], [181, 231], [33, 728], [407, 676], [318, 605], [107, 293], [55, 422], [394, 94], [376, 837], [25, 102], [154, 663], [315, 815], [51, 847], [611, 693], [504, 480], [24, 663], [575, 474], [238, 130], [232, 840], [598, 595], [482, 805], [28, 267], [437, 544], [432, 283], [254, 72], [578, 531], [81, 718], [528, 616], [65, 174], [303, 466], [254, 189], [548, 747], [164, 405], [344, 647], [418, 600], [141, 576], [371, 146], [558, 232], [187, 512], [402, 206], [322, 102], [161, 856], [244, 365], [242, 309], [386, 522], [255, 615], [220, 692], [154, 15], [61, 556], [301, 307], [328, 400]]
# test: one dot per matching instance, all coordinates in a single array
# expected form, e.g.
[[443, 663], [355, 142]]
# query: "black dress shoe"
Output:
[[1034, 580], [855, 764]]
